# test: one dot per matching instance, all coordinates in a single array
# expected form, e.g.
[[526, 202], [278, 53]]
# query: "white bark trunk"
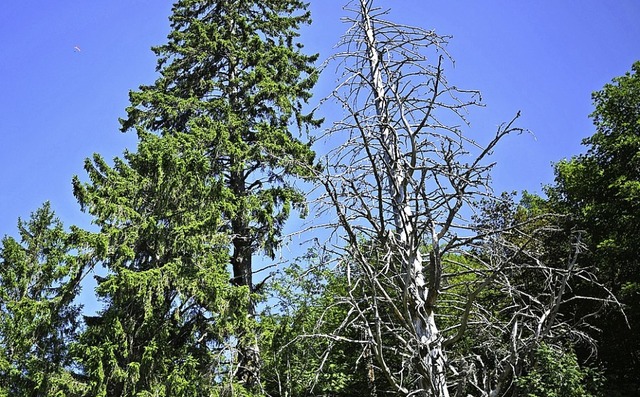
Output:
[[415, 287]]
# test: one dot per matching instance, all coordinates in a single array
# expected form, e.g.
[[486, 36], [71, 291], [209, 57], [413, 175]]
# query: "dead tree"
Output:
[[403, 182]]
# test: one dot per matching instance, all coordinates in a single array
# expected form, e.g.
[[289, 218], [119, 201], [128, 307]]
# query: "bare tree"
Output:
[[405, 183]]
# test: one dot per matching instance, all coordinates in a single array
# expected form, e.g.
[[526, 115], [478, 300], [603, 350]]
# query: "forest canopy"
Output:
[[418, 279]]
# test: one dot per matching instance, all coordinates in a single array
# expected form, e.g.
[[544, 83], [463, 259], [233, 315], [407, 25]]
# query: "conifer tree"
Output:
[[210, 186], [40, 275]]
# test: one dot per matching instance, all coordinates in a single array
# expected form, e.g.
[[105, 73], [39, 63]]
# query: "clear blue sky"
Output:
[[58, 106]]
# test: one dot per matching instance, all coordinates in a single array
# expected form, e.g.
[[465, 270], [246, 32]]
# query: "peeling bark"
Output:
[[406, 185], [415, 288]]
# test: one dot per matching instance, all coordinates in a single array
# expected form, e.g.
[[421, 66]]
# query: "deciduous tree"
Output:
[[600, 190], [403, 184]]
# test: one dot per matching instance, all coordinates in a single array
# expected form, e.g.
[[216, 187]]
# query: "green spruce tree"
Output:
[[210, 186], [40, 277]]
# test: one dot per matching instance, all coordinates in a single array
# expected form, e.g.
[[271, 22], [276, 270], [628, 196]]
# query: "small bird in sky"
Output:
[[77, 49]]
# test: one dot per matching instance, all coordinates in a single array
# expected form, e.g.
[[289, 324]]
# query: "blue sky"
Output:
[[58, 106]]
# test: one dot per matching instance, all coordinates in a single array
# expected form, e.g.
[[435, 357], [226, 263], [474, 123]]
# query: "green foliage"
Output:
[[39, 279], [210, 185], [601, 188], [600, 191], [167, 294], [304, 358], [234, 80], [556, 373]]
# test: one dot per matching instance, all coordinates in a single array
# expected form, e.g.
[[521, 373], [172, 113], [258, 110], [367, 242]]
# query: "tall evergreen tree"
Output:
[[167, 322], [210, 186], [39, 279]]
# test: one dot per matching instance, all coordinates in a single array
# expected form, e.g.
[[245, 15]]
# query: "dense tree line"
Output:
[[430, 284]]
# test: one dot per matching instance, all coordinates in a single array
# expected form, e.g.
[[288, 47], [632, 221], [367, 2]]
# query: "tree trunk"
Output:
[[248, 370], [418, 298]]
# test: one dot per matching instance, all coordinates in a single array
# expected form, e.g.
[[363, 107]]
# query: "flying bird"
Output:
[[77, 49]]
